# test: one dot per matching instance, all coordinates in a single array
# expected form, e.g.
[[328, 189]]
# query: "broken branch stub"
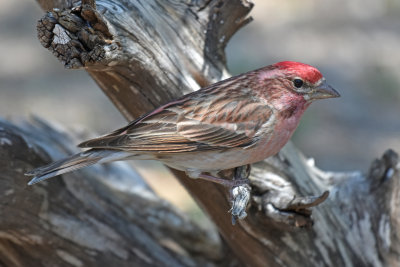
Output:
[[77, 37]]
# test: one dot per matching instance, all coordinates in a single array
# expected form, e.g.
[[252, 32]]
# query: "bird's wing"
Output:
[[197, 122]]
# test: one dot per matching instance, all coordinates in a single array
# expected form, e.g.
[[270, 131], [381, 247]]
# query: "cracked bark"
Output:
[[143, 54], [105, 215]]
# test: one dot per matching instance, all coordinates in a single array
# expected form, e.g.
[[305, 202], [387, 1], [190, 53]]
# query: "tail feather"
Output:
[[73, 163]]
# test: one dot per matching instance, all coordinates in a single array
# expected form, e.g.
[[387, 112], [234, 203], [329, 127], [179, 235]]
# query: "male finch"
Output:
[[237, 121]]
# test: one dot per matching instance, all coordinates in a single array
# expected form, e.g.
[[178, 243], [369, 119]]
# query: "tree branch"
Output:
[[105, 214]]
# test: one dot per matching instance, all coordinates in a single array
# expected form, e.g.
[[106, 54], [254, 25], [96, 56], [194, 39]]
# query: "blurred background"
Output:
[[355, 43]]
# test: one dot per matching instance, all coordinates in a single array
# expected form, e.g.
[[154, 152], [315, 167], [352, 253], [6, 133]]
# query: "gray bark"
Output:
[[145, 53], [105, 215]]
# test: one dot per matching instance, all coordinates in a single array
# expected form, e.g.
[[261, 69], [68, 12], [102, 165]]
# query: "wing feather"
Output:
[[199, 121]]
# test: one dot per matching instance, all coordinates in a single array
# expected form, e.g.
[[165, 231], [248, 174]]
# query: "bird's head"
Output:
[[304, 80]]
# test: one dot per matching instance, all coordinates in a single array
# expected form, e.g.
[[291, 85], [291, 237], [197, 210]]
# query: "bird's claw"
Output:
[[240, 193], [240, 197], [239, 189]]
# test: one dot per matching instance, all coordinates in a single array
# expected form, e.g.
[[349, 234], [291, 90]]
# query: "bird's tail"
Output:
[[75, 162]]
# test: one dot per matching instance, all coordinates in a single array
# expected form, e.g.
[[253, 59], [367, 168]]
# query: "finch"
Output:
[[234, 122]]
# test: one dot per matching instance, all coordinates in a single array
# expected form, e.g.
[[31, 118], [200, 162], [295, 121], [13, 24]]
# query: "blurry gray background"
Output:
[[355, 43]]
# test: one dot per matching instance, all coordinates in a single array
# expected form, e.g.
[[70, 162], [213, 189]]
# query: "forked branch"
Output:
[[143, 54]]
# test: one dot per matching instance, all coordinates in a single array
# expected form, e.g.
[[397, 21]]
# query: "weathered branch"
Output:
[[145, 53], [104, 214]]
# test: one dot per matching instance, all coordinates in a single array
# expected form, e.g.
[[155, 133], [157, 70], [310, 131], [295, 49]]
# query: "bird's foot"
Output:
[[240, 193], [240, 197], [239, 189]]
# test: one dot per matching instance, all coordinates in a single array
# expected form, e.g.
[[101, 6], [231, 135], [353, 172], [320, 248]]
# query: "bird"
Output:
[[235, 122]]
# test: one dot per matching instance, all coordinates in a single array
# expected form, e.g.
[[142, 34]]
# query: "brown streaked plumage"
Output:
[[234, 122]]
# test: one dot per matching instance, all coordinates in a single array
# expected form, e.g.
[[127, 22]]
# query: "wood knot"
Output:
[[78, 37]]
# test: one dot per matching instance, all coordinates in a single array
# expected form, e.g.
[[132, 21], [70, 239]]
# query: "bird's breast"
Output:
[[285, 125]]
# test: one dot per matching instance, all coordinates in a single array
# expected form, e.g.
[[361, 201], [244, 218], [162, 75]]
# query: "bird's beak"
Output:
[[324, 90]]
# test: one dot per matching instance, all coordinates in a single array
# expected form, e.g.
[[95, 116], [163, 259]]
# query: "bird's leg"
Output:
[[196, 174], [239, 189], [224, 182], [242, 174]]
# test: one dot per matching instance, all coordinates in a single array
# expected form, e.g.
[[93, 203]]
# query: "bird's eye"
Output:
[[298, 83]]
